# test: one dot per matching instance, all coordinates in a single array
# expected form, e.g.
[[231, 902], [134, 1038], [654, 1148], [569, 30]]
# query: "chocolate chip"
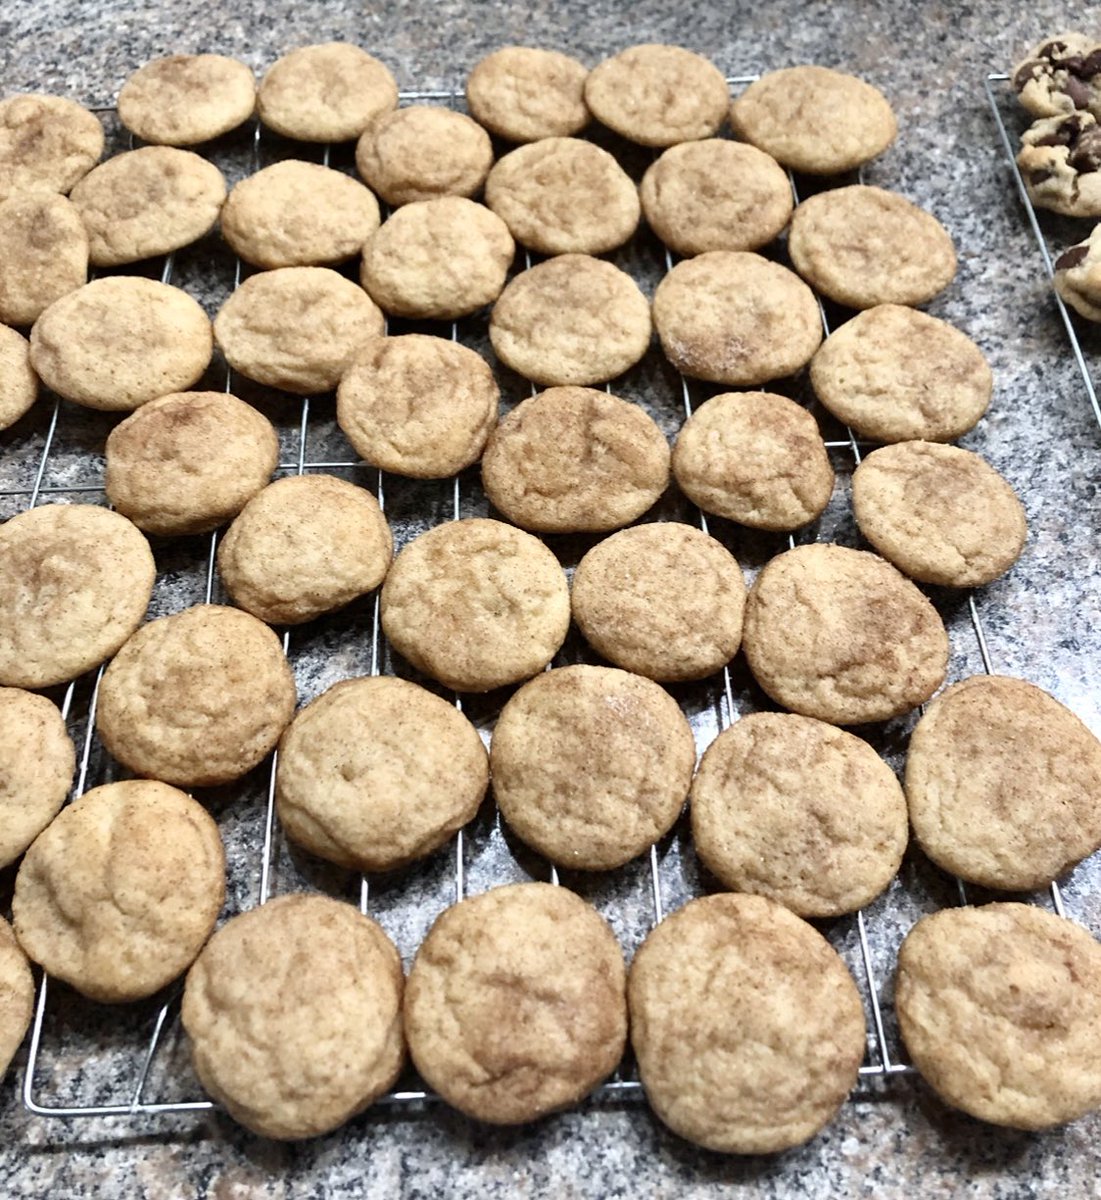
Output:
[[1026, 72], [1091, 65], [1051, 49], [1086, 155], [1041, 175], [1077, 91], [1072, 257]]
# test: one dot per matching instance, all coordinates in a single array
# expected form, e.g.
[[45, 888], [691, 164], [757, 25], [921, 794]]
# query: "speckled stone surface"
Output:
[[1043, 621]]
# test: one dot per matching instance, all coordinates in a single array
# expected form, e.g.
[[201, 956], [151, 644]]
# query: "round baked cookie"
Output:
[[591, 766], [418, 406], [941, 514], [325, 93], [658, 95], [43, 254], [715, 195], [1059, 160], [895, 374], [476, 604], [564, 196], [46, 144], [1002, 783], [999, 1008], [18, 382], [736, 318], [118, 342], [75, 581], [1059, 75], [424, 151], [294, 1015], [814, 120], [189, 462], [378, 772], [148, 202], [185, 99], [16, 996], [197, 698], [119, 893], [1077, 277], [515, 1005], [298, 214], [305, 545], [575, 460], [37, 760], [441, 259], [863, 246], [799, 811], [571, 320], [747, 1025], [755, 458], [840, 635], [664, 600], [523, 94], [296, 328]]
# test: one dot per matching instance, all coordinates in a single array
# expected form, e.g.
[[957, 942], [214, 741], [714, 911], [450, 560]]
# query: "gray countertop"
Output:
[[1043, 622]]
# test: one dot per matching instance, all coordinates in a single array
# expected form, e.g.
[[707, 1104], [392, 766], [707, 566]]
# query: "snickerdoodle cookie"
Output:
[[16, 996], [18, 382], [523, 94], [46, 144], [43, 254], [185, 99]]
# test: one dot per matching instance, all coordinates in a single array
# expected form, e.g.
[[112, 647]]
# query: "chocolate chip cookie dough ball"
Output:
[[185, 99], [523, 94], [43, 255], [46, 144]]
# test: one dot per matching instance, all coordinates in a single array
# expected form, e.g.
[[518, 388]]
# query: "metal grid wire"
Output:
[[882, 1060]]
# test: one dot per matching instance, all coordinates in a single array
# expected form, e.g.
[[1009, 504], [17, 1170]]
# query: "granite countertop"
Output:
[[1042, 622]]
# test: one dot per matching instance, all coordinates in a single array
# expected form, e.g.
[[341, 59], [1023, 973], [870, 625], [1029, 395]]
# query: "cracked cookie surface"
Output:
[[185, 99], [46, 144]]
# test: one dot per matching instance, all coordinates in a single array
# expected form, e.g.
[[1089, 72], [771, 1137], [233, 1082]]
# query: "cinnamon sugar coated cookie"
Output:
[[305, 545], [1002, 783], [294, 1016], [43, 254], [378, 772], [185, 99], [523, 94], [663, 600], [814, 120], [999, 1008], [16, 996], [46, 144], [840, 635], [75, 581], [197, 698], [476, 604], [143, 866], [591, 765], [722, 1068], [863, 246], [799, 811], [521, 988], [18, 382]]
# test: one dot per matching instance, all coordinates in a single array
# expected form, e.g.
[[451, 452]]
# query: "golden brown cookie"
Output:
[[1002, 783], [18, 382], [43, 254], [573, 459], [755, 458], [417, 405], [564, 196], [75, 581], [863, 246], [37, 760], [197, 698], [840, 635], [120, 341], [736, 318], [120, 892], [1059, 75], [663, 600], [305, 545], [515, 1006], [189, 462], [523, 94], [571, 320], [378, 772], [999, 1008], [16, 996], [46, 144], [294, 1015], [1077, 277], [476, 604], [658, 95], [298, 214], [442, 259], [799, 811], [815, 120], [423, 151], [325, 93], [941, 514], [715, 195], [296, 328], [895, 374], [185, 99], [747, 1025], [1058, 162], [591, 765]]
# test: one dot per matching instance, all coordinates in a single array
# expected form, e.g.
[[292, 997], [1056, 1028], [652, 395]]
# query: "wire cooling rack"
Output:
[[87, 1060]]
